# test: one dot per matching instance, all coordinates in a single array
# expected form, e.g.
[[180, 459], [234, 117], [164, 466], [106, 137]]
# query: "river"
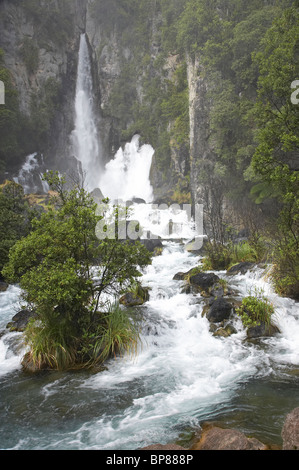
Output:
[[181, 377]]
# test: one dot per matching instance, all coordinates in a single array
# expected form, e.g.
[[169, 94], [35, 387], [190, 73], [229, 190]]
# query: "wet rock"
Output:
[[220, 310], [223, 331], [204, 281], [179, 276], [261, 330], [131, 299], [290, 431], [138, 200], [152, 244], [217, 291], [186, 289], [3, 286], [240, 268], [163, 447], [215, 438], [20, 321]]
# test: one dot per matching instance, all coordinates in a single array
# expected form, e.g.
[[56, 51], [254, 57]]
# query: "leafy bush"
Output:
[[255, 310], [55, 266], [218, 256], [285, 275]]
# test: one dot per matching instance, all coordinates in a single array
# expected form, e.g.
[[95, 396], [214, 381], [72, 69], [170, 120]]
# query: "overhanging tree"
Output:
[[65, 272]]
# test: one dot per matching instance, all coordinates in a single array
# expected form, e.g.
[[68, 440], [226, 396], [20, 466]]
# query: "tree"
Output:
[[65, 272], [14, 218], [275, 162]]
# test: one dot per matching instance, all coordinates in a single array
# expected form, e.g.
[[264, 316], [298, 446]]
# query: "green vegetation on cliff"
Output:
[[243, 58]]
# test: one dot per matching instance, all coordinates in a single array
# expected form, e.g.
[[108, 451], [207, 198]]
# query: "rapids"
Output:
[[181, 376]]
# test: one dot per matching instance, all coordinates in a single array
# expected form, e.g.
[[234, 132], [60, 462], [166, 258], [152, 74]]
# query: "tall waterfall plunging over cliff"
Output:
[[85, 138]]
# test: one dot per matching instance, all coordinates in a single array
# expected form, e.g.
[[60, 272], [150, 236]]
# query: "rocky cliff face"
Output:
[[40, 43], [40, 40]]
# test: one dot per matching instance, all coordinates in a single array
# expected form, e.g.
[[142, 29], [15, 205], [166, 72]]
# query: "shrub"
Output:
[[218, 256], [255, 310], [64, 271]]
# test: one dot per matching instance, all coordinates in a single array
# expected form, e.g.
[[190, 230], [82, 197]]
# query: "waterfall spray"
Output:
[[127, 175]]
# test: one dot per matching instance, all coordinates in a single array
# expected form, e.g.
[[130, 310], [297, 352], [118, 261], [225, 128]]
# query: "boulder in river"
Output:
[[3, 286], [154, 245], [216, 438], [220, 310], [240, 268], [204, 281], [131, 299], [20, 320], [290, 431], [262, 330]]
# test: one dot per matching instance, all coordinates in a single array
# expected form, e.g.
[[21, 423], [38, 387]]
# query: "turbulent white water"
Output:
[[181, 375], [10, 358], [127, 175], [85, 139]]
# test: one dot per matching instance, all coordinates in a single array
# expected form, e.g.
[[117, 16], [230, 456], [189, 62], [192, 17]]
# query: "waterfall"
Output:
[[127, 175], [30, 175], [85, 139]]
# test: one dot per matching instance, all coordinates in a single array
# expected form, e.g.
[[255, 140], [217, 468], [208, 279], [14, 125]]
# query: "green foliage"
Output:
[[64, 271], [255, 309], [217, 256], [116, 334], [275, 162], [220, 256], [14, 218]]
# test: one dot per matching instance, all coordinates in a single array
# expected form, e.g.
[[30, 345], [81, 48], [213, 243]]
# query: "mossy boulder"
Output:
[[262, 330], [240, 268], [203, 281], [137, 297], [20, 321]]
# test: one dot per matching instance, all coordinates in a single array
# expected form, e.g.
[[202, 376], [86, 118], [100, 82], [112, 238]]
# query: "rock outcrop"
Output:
[[290, 431], [215, 438]]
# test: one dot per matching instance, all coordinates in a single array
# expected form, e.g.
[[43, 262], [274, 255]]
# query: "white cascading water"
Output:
[[182, 375], [30, 175], [85, 139], [127, 175]]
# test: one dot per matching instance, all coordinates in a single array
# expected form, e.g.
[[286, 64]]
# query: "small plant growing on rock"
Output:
[[255, 309]]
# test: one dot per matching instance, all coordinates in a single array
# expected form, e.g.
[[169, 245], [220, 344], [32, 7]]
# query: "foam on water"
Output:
[[127, 175], [10, 357], [181, 376]]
